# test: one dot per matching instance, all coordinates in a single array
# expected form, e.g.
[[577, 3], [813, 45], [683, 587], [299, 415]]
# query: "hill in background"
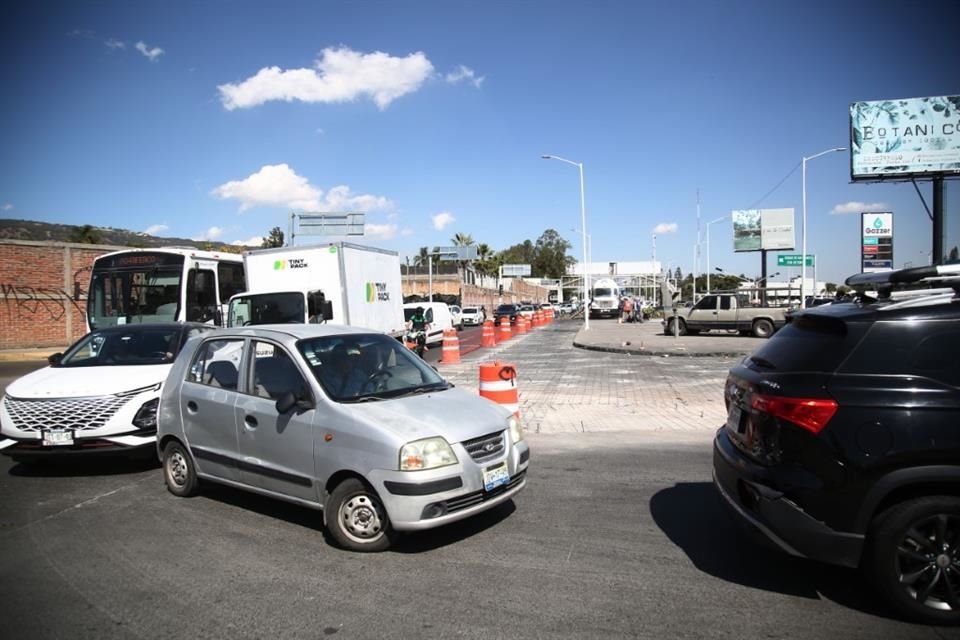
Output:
[[51, 231]]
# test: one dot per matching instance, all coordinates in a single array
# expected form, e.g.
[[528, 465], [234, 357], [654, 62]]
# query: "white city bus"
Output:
[[169, 284]]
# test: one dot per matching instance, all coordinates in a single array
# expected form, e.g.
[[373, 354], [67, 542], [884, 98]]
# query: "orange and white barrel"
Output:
[[521, 324], [505, 332], [488, 337], [451, 347], [498, 383]]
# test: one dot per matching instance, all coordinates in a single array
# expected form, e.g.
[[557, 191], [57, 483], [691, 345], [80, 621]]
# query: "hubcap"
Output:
[[177, 467], [928, 562], [361, 518]]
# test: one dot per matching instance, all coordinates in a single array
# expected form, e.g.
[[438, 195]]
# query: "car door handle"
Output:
[[250, 421], [192, 406]]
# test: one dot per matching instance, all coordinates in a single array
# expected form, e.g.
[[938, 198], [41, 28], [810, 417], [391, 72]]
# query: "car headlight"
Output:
[[146, 417], [516, 431], [429, 453]]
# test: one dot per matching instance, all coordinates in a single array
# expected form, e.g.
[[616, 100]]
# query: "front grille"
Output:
[[477, 497], [80, 414], [484, 447]]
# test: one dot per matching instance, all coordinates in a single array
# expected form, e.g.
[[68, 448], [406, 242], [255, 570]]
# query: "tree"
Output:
[[462, 240], [550, 258], [830, 287], [677, 274], [422, 257], [274, 238], [87, 234]]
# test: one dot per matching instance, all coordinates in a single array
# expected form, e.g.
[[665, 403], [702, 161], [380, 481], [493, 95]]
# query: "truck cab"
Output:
[[279, 307]]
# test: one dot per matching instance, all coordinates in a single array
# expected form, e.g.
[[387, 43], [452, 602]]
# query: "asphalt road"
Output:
[[617, 535]]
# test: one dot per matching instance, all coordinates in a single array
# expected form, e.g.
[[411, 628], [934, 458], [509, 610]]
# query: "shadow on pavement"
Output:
[[412, 542], [693, 516], [81, 465]]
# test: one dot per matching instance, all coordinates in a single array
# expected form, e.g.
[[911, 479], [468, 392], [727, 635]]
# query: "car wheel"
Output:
[[178, 470], [681, 327], [915, 558], [356, 518], [763, 328]]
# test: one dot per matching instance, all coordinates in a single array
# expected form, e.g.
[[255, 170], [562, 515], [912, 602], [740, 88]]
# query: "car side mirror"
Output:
[[55, 358], [289, 401]]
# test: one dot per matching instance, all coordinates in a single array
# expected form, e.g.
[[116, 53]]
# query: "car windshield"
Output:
[[122, 347], [363, 367], [602, 292], [468, 310]]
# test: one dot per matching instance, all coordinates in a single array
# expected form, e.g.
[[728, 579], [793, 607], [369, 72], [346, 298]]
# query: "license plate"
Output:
[[735, 419], [57, 438], [495, 477]]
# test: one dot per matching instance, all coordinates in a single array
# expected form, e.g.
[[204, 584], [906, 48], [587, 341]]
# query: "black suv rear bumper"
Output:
[[747, 488]]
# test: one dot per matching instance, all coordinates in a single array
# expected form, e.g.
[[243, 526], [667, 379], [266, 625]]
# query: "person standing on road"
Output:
[[626, 308]]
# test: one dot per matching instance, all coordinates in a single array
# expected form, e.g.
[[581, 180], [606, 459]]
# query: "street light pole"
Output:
[[583, 230], [720, 219], [803, 257]]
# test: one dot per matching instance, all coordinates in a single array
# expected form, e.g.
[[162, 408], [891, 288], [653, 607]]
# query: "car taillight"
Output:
[[812, 414]]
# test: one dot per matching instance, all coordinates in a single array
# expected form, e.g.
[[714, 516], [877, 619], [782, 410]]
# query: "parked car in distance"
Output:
[[510, 311], [526, 310], [341, 420], [473, 316], [100, 396], [437, 315], [457, 314], [842, 442]]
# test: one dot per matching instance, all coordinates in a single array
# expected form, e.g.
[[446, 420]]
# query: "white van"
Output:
[[437, 315]]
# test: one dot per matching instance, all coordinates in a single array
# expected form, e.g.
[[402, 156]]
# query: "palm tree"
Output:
[[484, 253], [462, 240], [420, 260]]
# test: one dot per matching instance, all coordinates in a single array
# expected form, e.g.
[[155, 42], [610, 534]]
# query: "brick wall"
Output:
[[37, 305], [472, 295]]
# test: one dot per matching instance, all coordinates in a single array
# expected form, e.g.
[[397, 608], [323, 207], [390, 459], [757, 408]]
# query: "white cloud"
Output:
[[152, 54], [665, 227], [8, 206], [340, 75], [154, 229], [255, 241], [464, 74], [210, 234], [113, 43], [443, 220], [382, 231], [857, 207], [279, 186]]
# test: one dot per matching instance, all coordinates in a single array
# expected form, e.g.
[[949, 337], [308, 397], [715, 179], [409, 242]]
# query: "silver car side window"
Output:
[[216, 364], [274, 373]]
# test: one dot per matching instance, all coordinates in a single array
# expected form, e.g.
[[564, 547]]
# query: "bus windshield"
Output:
[[602, 293], [134, 288]]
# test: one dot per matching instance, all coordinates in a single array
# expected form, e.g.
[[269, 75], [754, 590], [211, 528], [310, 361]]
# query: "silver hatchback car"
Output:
[[338, 419]]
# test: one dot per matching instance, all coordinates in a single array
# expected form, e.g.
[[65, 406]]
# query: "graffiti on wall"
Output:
[[24, 301]]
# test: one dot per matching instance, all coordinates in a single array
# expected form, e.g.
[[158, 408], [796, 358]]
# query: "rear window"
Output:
[[808, 343]]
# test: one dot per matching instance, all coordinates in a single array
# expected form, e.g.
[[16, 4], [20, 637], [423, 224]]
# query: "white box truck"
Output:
[[604, 298], [337, 283]]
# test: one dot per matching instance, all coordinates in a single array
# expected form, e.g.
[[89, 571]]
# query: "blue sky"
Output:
[[215, 119]]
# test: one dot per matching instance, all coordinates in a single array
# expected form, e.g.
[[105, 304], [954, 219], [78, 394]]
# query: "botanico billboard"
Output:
[[891, 139]]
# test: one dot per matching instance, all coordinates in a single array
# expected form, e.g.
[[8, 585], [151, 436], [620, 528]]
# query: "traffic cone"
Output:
[[451, 347], [488, 338], [505, 328], [521, 325], [498, 383]]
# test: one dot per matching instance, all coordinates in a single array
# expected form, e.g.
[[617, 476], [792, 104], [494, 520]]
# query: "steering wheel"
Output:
[[379, 378], [247, 323]]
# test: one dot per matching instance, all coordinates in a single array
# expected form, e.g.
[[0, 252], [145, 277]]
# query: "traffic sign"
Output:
[[793, 260]]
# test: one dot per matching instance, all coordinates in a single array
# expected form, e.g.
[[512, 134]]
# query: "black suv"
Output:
[[842, 442], [506, 311]]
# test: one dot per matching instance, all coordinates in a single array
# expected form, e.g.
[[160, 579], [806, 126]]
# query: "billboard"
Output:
[[891, 139], [756, 229], [876, 242]]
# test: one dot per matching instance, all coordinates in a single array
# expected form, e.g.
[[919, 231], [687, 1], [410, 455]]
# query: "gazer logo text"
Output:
[[377, 291]]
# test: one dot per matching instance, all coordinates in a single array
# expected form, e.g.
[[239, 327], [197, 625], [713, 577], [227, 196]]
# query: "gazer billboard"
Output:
[[902, 139]]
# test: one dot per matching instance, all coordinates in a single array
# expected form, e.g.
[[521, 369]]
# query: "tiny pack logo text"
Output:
[[289, 263], [377, 291]]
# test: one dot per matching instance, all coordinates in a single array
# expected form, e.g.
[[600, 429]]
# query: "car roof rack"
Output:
[[913, 282]]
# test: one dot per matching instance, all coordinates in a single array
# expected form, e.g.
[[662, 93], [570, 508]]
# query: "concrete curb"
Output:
[[661, 353]]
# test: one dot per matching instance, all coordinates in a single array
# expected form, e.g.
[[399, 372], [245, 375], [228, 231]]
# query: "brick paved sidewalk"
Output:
[[565, 389]]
